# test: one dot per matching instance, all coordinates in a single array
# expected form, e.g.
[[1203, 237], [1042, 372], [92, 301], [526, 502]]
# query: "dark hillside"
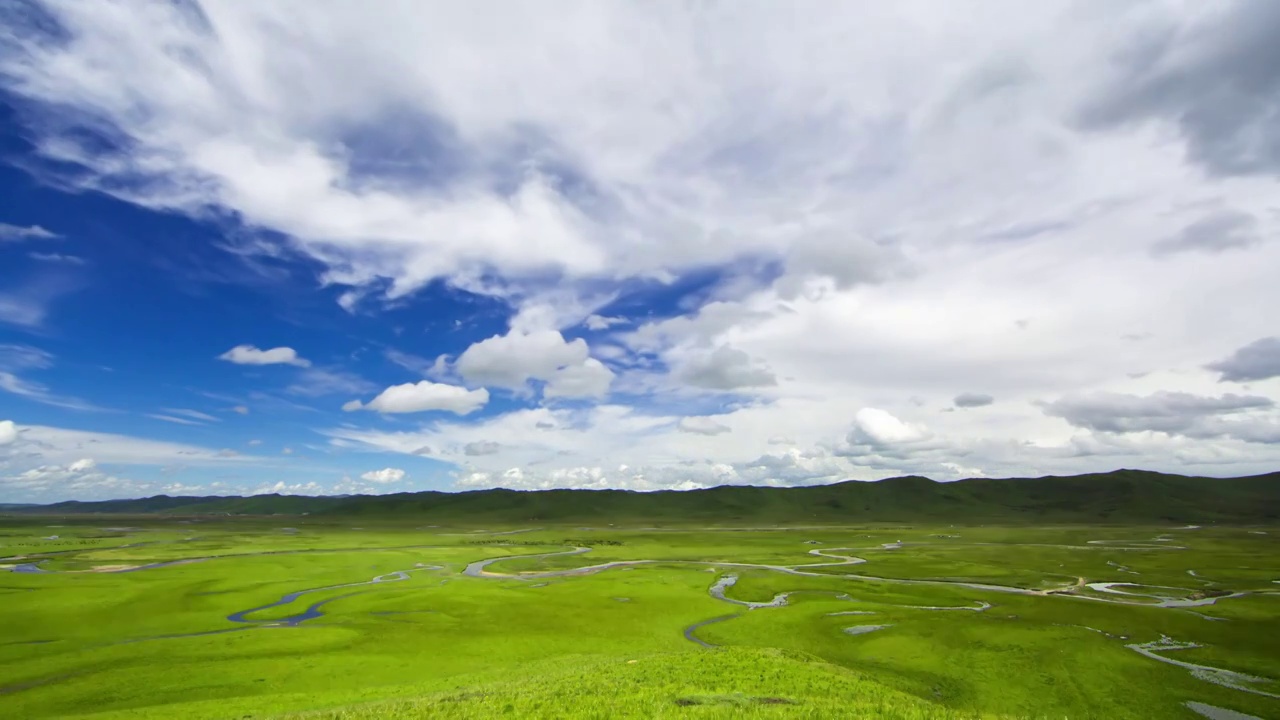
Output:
[[1123, 496]]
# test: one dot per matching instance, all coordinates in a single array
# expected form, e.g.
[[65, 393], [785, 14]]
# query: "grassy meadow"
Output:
[[108, 616]]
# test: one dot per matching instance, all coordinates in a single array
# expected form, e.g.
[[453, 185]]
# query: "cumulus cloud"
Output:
[[1259, 360], [1173, 413], [842, 257], [701, 426], [385, 475], [726, 368], [972, 400], [589, 379], [79, 478], [873, 426], [250, 355], [82, 465], [424, 396], [8, 432], [510, 361]]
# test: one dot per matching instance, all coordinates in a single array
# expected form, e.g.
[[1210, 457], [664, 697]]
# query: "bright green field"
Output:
[[81, 639]]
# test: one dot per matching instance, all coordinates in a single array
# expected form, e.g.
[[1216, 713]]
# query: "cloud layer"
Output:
[[734, 243]]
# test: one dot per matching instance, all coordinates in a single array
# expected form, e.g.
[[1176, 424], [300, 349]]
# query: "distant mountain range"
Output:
[[1122, 496]]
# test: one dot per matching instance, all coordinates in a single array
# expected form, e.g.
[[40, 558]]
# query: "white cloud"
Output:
[[874, 426], [701, 426], [183, 417], [250, 355], [172, 419], [510, 361], [385, 475], [192, 414], [590, 378], [599, 322], [240, 409], [61, 446], [17, 233], [82, 465], [20, 311], [726, 369], [424, 396], [56, 258], [8, 432]]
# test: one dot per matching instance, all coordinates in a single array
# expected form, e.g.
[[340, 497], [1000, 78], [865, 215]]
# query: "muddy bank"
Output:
[[1214, 712], [728, 581], [314, 611], [864, 629], [1217, 676]]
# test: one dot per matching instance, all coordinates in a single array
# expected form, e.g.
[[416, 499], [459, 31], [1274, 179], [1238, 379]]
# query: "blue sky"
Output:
[[246, 248]]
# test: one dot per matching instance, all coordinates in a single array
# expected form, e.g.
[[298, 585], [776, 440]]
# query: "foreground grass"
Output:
[[81, 644], [730, 683]]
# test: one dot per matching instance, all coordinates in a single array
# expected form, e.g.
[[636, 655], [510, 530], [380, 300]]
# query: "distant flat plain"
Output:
[[105, 616]]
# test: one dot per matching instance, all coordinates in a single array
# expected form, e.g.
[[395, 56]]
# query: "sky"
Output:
[[322, 247]]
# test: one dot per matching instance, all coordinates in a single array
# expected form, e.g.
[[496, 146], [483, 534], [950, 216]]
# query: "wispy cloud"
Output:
[[27, 305], [18, 359], [173, 419], [17, 233], [192, 414], [56, 258], [319, 382]]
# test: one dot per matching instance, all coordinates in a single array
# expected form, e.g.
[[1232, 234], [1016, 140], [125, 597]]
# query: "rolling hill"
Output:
[[1123, 496]]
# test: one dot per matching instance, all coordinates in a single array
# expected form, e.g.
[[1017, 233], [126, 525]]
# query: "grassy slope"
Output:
[[444, 645], [1121, 496], [729, 683]]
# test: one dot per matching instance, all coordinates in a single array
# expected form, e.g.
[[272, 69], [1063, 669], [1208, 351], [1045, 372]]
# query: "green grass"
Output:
[[75, 643], [723, 684]]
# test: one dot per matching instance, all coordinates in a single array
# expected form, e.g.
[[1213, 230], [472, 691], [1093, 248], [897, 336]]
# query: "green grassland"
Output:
[[114, 626]]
